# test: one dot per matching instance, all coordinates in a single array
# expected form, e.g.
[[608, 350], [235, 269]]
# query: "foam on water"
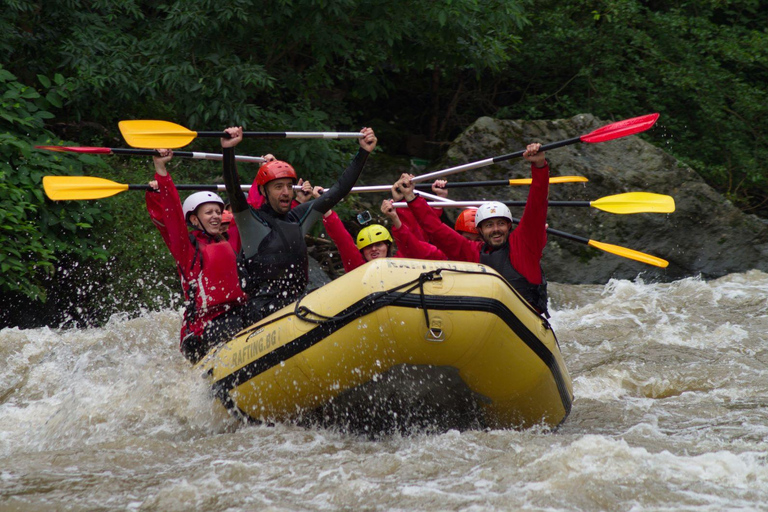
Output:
[[670, 389]]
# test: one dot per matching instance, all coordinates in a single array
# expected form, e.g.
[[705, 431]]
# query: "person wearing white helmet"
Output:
[[206, 260], [515, 254]]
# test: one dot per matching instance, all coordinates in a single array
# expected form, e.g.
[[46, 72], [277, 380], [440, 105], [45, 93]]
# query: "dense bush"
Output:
[[34, 232], [419, 71]]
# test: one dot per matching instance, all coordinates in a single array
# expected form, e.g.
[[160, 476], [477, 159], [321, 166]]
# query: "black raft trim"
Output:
[[453, 303], [377, 301]]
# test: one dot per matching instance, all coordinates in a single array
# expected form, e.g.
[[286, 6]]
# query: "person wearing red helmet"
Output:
[[226, 219], [206, 260], [465, 225], [515, 254], [274, 261]]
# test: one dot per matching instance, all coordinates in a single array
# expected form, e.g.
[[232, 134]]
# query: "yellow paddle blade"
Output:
[[152, 134], [629, 253], [553, 179], [635, 202], [75, 188]]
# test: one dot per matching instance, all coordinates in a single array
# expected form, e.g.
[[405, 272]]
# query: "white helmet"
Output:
[[492, 210], [192, 202]]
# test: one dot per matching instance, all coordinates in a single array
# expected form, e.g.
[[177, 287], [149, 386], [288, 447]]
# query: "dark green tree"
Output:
[[36, 233]]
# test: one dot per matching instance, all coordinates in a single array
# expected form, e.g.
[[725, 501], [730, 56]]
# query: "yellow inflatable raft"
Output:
[[396, 343]]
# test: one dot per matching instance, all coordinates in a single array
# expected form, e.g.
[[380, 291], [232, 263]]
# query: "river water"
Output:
[[670, 386]]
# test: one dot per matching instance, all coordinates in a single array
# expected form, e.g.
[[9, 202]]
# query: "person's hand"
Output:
[[160, 161], [269, 157], [438, 187], [533, 155], [317, 191], [388, 209], [235, 136], [369, 140], [304, 194], [154, 186], [397, 193], [405, 186]]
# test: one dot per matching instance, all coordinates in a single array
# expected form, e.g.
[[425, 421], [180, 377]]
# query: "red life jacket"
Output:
[[211, 284]]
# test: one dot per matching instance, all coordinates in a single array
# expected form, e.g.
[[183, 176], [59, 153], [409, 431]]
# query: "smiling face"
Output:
[[208, 218], [495, 231], [375, 251], [279, 194]]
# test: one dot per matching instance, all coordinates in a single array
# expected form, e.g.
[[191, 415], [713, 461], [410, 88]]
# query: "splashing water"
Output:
[[670, 387]]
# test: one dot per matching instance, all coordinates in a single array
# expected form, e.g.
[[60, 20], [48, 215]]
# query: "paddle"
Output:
[[610, 248], [613, 249], [76, 188], [489, 183], [627, 203], [147, 152], [155, 134], [608, 132]]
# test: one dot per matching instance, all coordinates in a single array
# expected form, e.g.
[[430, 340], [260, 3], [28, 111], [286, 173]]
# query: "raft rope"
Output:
[[373, 302], [389, 296]]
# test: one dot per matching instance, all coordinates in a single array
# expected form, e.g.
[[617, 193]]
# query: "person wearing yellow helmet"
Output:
[[514, 253], [374, 242]]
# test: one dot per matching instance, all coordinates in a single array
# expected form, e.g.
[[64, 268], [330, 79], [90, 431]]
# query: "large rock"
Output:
[[705, 236]]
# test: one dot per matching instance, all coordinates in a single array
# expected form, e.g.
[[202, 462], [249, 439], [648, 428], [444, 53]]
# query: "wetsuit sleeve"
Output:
[[173, 218], [341, 188], [350, 256], [527, 241], [251, 228], [237, 199], [409, 246], [453, 245], [312, 211]]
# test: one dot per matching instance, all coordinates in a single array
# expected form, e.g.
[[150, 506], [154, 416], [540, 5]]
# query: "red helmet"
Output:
[[466, 221], [275, 170]]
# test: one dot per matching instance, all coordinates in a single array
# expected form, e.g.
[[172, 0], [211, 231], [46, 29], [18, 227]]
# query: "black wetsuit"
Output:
[[274, 262]]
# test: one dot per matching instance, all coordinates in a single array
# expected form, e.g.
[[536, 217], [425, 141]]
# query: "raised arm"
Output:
[[350, 256], [453, 245], [341, 188]]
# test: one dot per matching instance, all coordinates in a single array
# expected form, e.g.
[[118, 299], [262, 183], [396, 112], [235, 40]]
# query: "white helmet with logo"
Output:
[[192, 202], [492, 210]]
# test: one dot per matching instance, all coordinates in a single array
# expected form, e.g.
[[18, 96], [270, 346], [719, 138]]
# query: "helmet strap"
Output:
[[200, 226]]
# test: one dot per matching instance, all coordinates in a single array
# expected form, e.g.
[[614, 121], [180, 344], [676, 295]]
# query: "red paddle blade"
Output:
[[91, 150], [621, 129]]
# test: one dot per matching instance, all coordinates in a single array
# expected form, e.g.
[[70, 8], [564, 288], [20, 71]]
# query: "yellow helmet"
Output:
[[371, 235]]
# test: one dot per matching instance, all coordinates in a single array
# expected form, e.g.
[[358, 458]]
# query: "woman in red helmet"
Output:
[[206, 260], [465, 225], [274, 263]]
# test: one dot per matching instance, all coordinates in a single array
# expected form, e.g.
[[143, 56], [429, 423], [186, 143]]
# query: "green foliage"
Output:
[[702, 65], [273, 65], [33, 231], [415, 70]]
